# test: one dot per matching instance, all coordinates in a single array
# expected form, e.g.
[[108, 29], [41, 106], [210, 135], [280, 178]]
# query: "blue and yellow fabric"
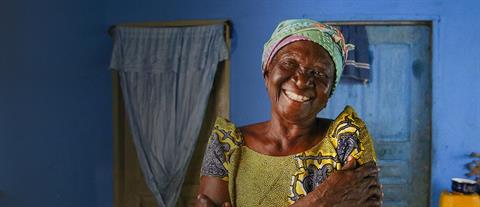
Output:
[[256, 179]]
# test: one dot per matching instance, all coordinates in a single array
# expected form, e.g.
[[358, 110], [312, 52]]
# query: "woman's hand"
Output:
[[204, 201], [350, 186], [213, 192]]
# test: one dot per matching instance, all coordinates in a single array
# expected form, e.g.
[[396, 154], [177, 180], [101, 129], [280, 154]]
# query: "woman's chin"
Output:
[[296, 116]]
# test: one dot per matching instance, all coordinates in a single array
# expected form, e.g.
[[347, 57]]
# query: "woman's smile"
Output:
[[296, 97]]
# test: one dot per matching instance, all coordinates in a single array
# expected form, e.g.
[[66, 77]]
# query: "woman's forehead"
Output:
[[305, 49]]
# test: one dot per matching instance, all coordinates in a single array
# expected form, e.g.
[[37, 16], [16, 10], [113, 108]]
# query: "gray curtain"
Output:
[[166, 75]]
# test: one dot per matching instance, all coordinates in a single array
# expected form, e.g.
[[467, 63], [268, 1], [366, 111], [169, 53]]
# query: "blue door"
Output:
[[396, 105]]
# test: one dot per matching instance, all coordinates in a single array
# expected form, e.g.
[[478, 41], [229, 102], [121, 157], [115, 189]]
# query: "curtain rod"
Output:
[[178, 23]]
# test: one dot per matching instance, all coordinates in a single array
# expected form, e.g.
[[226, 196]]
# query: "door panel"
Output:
[[396, 105]]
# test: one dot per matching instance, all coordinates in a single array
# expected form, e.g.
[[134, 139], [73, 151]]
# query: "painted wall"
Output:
[[55, 104], [55, 94], [456, 91]]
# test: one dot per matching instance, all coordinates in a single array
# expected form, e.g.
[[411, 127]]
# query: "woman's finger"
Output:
[[203, 201], [350, 164], [364, 185], [373, 182], [369, 164], [374, 197], [375, 192], [227, 204], [373, 203], [368, 171]]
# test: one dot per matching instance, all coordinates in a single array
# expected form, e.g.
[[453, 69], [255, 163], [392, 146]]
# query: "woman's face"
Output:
[[299, 80]]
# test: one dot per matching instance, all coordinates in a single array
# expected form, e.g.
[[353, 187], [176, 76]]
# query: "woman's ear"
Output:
[[265, 78], [333, 81], [267, 69]]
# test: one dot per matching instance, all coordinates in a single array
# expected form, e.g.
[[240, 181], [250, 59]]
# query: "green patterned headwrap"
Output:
[[288, 31]]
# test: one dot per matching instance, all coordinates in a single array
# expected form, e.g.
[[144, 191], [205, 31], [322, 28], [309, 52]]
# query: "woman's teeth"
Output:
[[296, 97]]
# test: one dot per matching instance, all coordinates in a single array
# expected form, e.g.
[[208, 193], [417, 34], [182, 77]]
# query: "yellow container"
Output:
[[459, 200]]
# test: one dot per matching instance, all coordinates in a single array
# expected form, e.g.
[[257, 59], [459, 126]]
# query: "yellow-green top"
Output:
[[256, 179]]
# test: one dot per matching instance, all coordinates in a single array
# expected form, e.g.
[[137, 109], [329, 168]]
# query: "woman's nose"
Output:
[[303, 79]]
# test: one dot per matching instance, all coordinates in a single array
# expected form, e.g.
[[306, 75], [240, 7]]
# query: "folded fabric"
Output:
[[357, 66]]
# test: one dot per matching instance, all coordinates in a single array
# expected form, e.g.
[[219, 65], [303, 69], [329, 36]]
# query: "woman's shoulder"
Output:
[[222, 144], [224, 124], [347, 115], [226, 131], [349, 135], [347, 118]]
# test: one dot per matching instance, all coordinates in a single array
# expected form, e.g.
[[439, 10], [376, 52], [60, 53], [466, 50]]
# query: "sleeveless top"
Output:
[[256, 179]]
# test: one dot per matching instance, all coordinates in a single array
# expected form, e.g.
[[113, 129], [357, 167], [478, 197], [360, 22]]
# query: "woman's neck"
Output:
[[291, 133]]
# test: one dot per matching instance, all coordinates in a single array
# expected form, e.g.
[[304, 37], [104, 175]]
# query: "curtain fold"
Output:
[[166, 75]]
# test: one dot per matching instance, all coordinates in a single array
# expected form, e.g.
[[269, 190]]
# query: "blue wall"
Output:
[[55, 91], [456, 91], [55, 104]]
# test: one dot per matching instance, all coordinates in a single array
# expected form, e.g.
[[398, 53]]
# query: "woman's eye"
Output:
[[319, 74], [289, 64]]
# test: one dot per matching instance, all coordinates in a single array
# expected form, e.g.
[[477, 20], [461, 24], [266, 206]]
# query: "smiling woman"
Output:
[[299, 80], [295, 158]]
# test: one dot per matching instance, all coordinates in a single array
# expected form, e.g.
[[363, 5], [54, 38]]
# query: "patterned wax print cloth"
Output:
[[256, 179]]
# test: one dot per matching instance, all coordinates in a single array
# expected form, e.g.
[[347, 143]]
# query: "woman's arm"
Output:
[[213, 192], [222, 143], [347, 187]]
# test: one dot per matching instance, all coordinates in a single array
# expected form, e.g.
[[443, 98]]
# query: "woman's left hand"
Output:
[[348, 187]]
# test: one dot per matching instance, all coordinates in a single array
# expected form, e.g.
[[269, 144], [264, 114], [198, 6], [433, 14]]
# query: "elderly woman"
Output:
[[295, 158]]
